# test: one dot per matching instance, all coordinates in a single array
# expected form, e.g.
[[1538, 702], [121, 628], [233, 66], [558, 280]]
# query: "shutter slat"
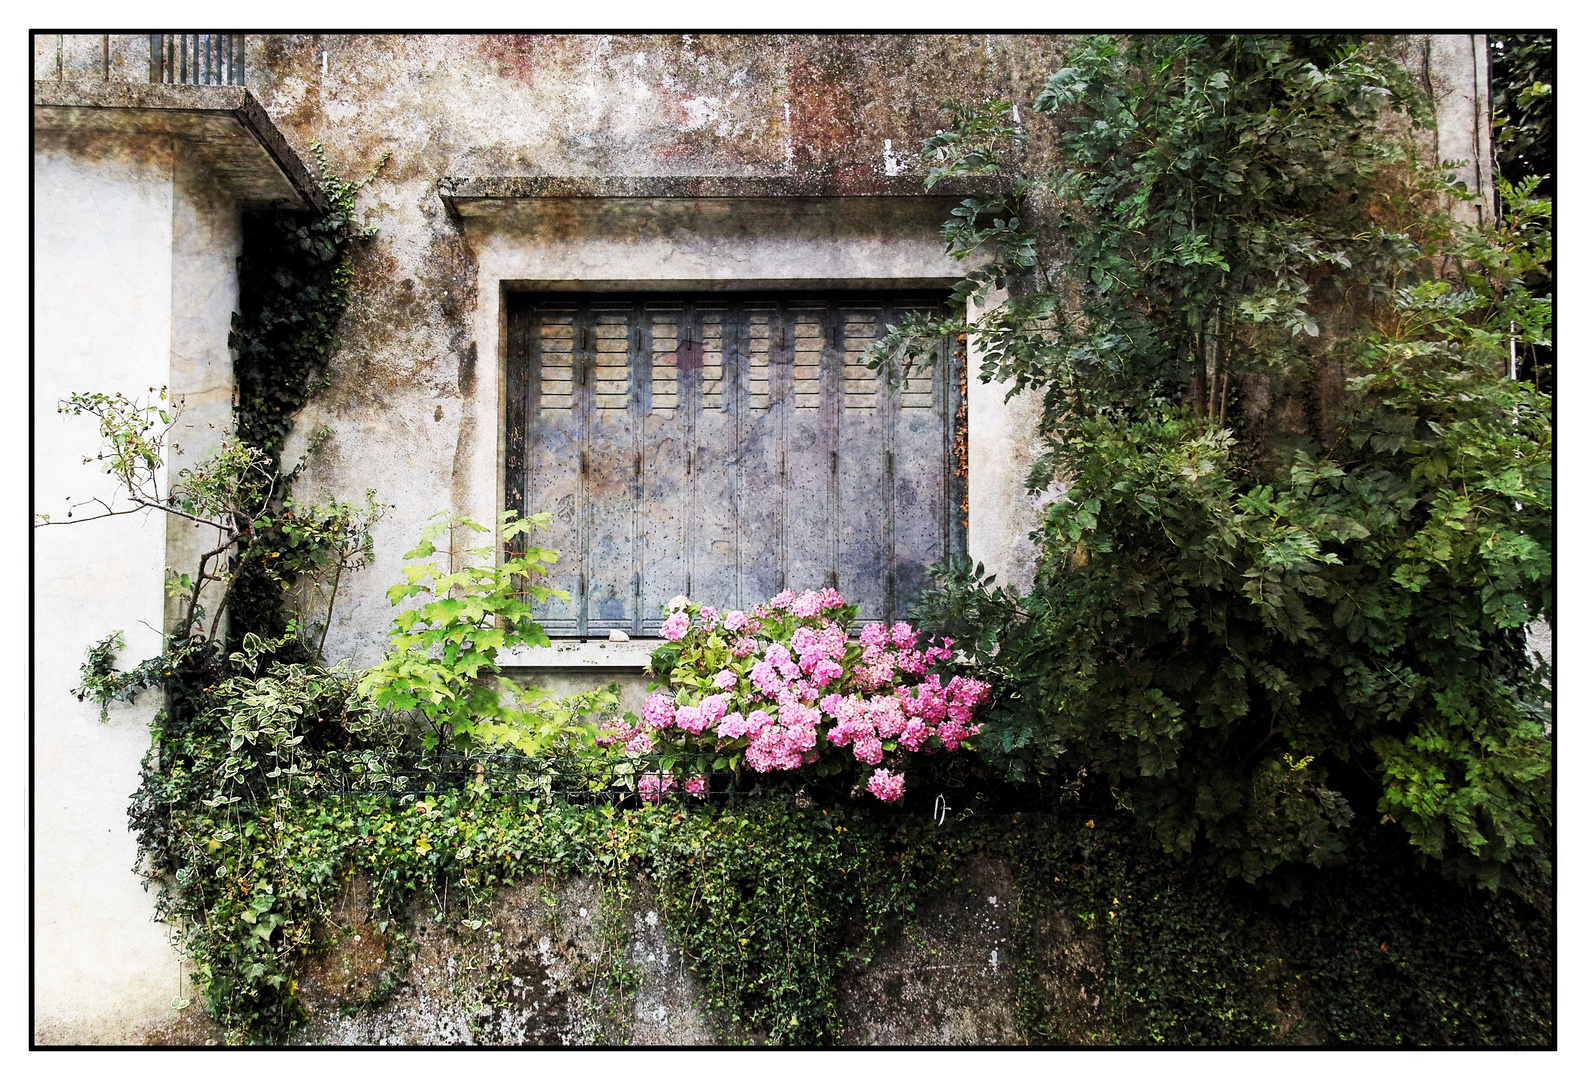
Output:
[[811, 437], [713, 510], [665, 481], [761, 513], [609, 547], [919, 492], [864, 554], [554, 440]]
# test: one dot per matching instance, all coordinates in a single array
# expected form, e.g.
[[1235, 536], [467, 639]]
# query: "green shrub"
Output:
[[1255, 632]]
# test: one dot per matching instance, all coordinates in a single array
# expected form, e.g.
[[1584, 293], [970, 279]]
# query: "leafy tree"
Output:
[[1255, 631], [1522, 76], [233, 490]]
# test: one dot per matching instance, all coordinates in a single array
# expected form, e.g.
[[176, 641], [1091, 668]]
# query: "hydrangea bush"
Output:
[[784, 686]]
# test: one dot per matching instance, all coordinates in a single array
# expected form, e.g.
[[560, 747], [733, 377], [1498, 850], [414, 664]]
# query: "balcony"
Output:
[[197, 59], [169, 59]]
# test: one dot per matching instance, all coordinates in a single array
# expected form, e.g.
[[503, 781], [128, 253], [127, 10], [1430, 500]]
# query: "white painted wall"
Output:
[[121, 229]]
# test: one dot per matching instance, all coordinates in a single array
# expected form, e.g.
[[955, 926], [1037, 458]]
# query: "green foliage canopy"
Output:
[[1254, 636]]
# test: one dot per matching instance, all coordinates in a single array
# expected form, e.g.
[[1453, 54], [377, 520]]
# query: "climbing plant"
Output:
[[294, 283]]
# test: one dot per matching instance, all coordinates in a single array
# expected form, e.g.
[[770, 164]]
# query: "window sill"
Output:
[[634, 655]]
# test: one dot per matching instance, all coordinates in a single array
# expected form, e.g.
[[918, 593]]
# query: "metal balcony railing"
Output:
[[197, 59]]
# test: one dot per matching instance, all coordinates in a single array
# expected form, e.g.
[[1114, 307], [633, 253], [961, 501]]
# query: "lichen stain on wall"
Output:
[[949, 979]]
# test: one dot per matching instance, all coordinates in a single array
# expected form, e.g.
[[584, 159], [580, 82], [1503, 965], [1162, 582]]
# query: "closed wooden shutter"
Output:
[[726, 447]]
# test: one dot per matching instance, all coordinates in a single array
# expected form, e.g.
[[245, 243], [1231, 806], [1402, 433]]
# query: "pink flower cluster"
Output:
[[655, 786], [885, 786], [784, 682]]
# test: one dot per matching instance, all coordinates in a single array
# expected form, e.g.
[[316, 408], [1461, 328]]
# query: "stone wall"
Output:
[[948, 978]]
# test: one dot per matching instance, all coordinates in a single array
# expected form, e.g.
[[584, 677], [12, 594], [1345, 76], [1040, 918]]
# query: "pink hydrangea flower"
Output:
[[653, 786], [804, 641], [795, 713], [691, 720], [764, 677], [713, 708], [887, 715], [659, 712], [885, 786], [825, 671], [867, 748], [613, 732], [774, 748], [952, 732], [890, 695], [969, 692]]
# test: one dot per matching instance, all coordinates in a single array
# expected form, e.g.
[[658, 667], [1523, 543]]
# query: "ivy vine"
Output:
[[294, 282]]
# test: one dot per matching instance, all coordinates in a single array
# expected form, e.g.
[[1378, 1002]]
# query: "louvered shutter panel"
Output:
[[726, 448]]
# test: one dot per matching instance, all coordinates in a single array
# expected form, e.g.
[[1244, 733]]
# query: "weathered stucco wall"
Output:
[[103, 212], [414, 397], [135, 248]]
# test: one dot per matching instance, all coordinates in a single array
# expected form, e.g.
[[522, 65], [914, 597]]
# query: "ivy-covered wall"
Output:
[[768, 923]]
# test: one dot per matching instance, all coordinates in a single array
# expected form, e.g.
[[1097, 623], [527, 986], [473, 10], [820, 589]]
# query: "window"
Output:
[[727, 447]]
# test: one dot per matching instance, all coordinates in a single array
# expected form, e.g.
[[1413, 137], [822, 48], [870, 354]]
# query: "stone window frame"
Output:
[[705, 234]]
